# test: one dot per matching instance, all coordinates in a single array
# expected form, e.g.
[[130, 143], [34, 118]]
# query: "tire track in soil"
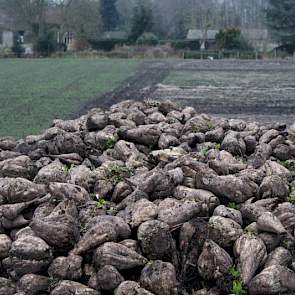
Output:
[[138, 87]]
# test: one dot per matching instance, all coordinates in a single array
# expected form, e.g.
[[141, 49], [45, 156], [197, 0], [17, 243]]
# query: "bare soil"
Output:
[[263, 91], [139, 87]]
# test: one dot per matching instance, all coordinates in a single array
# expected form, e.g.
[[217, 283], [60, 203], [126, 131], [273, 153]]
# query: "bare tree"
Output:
[[172, 18], [29, 14], [83, 18]]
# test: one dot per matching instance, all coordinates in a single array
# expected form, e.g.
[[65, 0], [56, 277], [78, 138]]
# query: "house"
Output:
[[6, 33], [259, 39], [206, 38], [9, 31], [6, 37]]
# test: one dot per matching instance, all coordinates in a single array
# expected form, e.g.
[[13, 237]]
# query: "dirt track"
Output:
[[254, 90], [139, 87]]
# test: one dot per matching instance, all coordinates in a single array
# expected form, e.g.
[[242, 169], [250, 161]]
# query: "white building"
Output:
[[6, 38], [6, 34]]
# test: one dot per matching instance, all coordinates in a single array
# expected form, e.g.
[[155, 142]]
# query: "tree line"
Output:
[[162, 19]]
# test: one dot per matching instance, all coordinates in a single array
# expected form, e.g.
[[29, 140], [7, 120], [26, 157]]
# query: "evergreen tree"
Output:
[[230, 39], [109, 14], [142, 20], [17, 47], [281, 21], [182, 28]]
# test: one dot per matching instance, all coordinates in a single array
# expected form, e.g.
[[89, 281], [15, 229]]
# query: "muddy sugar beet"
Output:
[[148, 198]]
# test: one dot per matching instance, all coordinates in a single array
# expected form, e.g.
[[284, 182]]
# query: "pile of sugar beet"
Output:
[[148, 198]]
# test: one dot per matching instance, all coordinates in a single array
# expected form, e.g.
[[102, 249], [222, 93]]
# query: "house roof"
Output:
[[117, 35], [201, 34]]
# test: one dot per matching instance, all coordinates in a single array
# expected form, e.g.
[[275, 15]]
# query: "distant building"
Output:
[[6, 37], [259, 39], [6, 33], [206, 38], [65, 38], [9, 30]]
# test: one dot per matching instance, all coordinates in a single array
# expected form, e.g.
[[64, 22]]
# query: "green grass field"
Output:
[[34, 92]]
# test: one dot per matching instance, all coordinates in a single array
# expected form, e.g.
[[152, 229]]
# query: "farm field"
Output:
[[262, 90], [34, 92]]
